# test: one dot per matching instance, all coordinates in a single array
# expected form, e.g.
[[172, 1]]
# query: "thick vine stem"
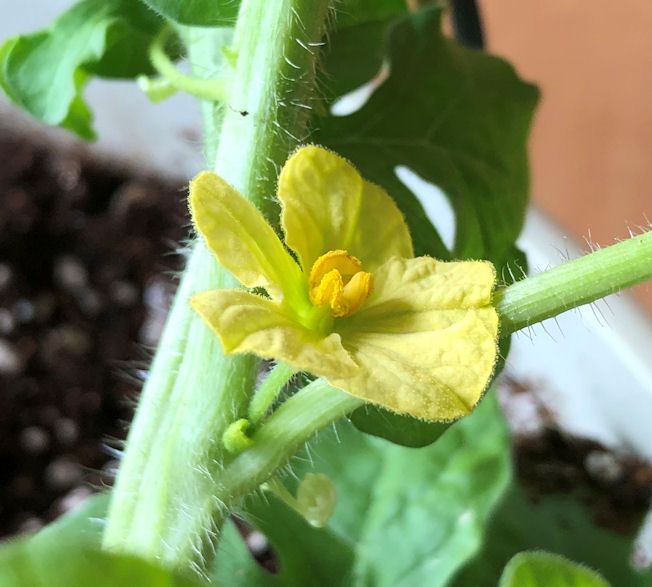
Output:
[[163, 505]]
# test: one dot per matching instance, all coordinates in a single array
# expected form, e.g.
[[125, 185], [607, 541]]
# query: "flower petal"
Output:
[[426, 341], [327, 206], [240, 237], [382, 232], [248, 323]]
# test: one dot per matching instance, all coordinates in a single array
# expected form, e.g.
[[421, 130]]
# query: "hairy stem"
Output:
[[575, 283], [268, 391], [163, 506]]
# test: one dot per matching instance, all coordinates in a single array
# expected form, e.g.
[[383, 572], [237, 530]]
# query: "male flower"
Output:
[[414, 335]]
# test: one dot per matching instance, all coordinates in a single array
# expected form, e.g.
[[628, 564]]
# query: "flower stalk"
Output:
[[575, 283], [269, 391]]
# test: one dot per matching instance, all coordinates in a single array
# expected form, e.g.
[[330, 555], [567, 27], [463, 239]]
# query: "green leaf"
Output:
[[397, 428], [542, 569], [554, 523], [5, 51], [234, 566], [66, 554], [354, 55], [22, 565], [404, 517], [45, 72], [83, 525], [307, 555]]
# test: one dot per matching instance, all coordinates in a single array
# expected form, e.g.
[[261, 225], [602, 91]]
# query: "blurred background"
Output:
[[592, 141]]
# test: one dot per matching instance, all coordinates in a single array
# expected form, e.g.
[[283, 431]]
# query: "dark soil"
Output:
[[616, 488], [85, 276]]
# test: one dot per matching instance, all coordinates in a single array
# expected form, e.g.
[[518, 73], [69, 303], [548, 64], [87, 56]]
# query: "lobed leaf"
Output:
[[459, 119]]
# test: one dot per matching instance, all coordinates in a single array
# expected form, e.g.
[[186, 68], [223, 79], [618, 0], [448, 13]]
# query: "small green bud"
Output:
[[235, 437]]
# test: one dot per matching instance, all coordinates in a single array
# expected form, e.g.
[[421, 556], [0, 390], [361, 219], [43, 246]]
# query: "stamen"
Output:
[[337, 280]]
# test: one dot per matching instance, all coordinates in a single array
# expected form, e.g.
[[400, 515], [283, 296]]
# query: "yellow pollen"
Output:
[[337, 280]]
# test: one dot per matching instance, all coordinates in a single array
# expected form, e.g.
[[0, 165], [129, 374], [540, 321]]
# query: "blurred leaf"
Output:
[[234, 566], [307, 555], [404, 517], [542, 569], [5, 51], [66, 554], [23, 565], [45, 72], [559, 524], [427, 508], [84, 524]]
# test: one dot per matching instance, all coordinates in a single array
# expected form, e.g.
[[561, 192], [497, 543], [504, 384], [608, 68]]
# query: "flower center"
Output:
[[337, 281]]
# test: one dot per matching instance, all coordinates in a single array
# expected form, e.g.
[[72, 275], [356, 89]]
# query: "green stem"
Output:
[[213, 90], [268, 391], [275, 485], [575, 283], [164, 506]]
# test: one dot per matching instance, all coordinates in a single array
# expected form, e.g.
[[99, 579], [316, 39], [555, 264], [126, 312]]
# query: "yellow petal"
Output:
[[247, 323], [239, 236], [426, 341], [382, 232], [327, 206]]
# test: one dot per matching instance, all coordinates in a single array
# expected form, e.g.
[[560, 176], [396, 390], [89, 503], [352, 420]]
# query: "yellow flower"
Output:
[[414, 335]]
